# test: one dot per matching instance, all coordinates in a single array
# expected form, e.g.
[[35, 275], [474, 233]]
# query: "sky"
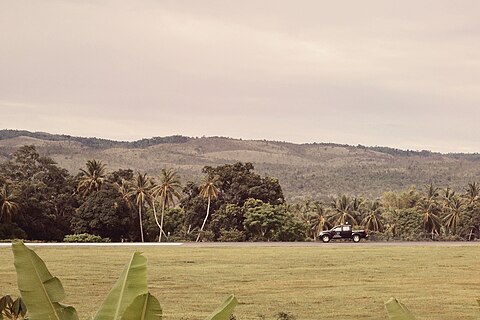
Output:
[[403, 74]]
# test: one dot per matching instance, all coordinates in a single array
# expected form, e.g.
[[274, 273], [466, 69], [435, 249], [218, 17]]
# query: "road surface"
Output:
[[320, 245]]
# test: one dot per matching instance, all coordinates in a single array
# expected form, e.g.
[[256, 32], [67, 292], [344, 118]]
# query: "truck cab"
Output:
[[344, 231]]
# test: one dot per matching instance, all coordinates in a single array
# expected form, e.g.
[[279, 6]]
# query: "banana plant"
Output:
[[129, 298], [12, 309], [40, 291], [398, 311]]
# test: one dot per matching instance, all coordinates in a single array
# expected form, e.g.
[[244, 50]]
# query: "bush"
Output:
[[208, 236], [84, 237], [284, 316], [232, 235], [11, 231]]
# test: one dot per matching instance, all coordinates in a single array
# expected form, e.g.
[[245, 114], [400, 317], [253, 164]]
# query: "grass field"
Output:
[[306, 282]]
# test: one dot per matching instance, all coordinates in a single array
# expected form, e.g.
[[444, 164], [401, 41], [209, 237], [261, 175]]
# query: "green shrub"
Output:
[[84, 237], [284, 316], [232, 235]]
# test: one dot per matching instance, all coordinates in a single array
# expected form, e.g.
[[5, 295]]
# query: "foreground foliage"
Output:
[[297, 280], [398, 311], [11, 309], [129, 298]]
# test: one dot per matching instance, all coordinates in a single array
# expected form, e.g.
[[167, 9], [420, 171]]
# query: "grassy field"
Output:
[[307, 282]]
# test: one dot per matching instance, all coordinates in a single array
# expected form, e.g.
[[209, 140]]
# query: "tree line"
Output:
[[41, 201]]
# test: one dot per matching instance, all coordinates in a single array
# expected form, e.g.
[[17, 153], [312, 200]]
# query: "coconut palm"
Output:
[[356, 206], [432, 192], [373, 217], [320, 221], [455, 211], [306, 212], [208, 190], [139, 192], [167, 192], [472, 193], [472, 197], [124, 188], [341, 211], [153, 198], [8, 203], [429, 210], [92, 178]]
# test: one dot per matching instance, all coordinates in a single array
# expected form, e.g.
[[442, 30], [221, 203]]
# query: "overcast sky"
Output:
[[402, 74]]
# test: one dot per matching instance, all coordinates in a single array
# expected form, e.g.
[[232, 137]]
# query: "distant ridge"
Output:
[[92, 142], [310, 170]]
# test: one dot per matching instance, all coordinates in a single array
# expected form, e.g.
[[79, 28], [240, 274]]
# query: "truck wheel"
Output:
[[326, 238], [356, 238]]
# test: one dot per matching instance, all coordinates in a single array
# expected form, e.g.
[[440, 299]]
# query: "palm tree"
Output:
[[139, 191], [208, 190], [153, 196], [373, 217], [432, 192], [356, 206], [124, 188], [472, 192], [92, 178], [429, 210], [8, 204], [341, 211], [472, 196], [167, 191], [455, 211], [320, 221], [307, 213]]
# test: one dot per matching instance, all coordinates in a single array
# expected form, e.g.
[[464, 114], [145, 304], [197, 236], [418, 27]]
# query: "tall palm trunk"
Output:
[[161, 221], [156, 221], [140, 217], [204, 220]]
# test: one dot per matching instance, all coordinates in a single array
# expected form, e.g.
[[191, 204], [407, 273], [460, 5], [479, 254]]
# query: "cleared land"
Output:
[[341, 282]]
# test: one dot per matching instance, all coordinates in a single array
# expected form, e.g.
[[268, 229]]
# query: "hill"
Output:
[[315, 170]]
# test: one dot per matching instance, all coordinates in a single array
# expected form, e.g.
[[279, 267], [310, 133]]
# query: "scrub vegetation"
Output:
[[39, 200]]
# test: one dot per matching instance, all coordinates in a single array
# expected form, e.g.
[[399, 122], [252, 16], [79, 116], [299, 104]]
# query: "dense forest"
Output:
[[39, 200]]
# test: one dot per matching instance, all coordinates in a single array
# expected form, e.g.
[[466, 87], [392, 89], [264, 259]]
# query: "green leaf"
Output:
[[132, 283], [225, 310], [397, 311], [40, 291], [144, 307]]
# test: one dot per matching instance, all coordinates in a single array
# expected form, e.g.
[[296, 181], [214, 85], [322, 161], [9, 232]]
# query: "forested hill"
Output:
[[315, 170]]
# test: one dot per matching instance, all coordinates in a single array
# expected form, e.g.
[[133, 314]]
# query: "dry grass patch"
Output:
[[307, 282]]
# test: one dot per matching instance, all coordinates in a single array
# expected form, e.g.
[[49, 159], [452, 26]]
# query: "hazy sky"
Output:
[[403, 74]]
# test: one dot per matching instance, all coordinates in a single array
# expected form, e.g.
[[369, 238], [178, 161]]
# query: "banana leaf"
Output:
[[224, 311], [144, 307], [19, 308], [397, 310], [40, 291], [5, 303], [131, 283]]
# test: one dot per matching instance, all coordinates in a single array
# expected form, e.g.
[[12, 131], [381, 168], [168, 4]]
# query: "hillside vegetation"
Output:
[[317, 170]]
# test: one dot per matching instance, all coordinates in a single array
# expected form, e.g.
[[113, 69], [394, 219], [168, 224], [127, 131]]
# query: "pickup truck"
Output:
[[343, 231]]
